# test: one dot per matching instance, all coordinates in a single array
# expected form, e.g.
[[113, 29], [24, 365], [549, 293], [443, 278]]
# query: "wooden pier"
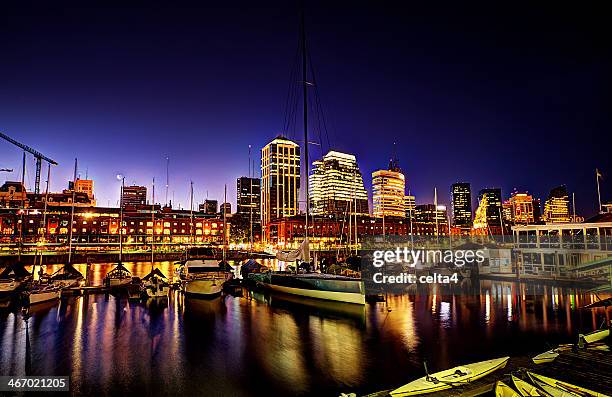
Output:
[[585, 368]]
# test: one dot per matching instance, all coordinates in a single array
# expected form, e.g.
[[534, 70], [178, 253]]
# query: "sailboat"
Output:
[[67, 276], [311, 285], [119, 276], [154, 284], [13, 278]]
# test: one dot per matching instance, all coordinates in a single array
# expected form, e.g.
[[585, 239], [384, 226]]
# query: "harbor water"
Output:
[[259, 344]]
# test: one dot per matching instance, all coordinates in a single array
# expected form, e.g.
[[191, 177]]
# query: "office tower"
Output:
[[429, 216], [462, 205], [537, 210], [134, 196], [280, 180], [388, 192], [336, 186], [556, 207], [248, 200], [488, 216], [521, 208]]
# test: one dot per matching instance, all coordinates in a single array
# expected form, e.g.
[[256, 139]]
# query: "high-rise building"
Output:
[[388, 192], [430, 220], [461, 193], [488, 216], [537, 210], [336, 186], [209, 207], [280, 180], [248, 200], [134, 196], [521, 208], [556, 207]]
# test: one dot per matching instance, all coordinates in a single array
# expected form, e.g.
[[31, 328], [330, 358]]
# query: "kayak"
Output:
[[503, 390], [546, 357], [525, 389], [557, 388], [450, 378], [594, 336]]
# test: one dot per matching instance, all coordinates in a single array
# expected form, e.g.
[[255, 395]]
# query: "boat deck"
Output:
[[585, 368]]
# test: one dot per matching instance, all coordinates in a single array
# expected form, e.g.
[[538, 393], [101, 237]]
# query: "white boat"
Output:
[[67, 276], [525, 389], [546, 357], [43, 294], [503, 390], [9, 286], [449, 378], [155, 285], [205, 277], [594, 336], [314, 285], [118, 277], [557, 388]]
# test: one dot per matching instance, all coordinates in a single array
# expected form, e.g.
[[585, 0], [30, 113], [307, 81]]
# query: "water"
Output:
[[260, 345]]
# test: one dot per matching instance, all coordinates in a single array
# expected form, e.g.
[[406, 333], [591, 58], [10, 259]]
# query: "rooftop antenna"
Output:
[[167, 177]]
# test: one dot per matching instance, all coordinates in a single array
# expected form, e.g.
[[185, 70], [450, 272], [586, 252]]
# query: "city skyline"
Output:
[[76, 106]]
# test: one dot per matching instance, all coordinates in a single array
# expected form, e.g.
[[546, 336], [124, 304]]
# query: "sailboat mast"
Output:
[[152, 222], [224, 220], [191, 211], [71, 226], [305, 115], [121, 219]]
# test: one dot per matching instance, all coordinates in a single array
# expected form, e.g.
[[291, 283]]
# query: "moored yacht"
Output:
[[13, 278], [42, 293], [205, 277]]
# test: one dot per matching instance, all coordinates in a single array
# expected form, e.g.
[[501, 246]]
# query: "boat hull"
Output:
[[9, 287], [449, 378], [525, 389], [204, 288], [557, 388], [595, 336], [503, 390], [117, 282], [43, 296], [337, 289]]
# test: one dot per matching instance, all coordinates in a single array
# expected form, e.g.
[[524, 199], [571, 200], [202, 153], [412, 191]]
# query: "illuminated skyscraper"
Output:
[[280, 180], [388, 192], [336, 186], [488, 217], [248, 200], [556, 207], [462, 205], [521, 209]]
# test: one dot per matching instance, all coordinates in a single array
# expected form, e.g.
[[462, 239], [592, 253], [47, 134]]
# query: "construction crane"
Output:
[[37, 155]]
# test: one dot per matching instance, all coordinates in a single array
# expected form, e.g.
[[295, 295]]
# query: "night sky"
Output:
[[515, 97]]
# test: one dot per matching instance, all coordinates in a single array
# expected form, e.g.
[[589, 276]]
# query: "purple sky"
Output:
[[516, 97]]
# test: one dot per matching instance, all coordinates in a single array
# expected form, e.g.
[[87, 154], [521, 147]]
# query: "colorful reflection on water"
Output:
[[275, 345]]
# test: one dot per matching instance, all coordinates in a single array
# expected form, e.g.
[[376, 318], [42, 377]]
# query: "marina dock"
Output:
[[585, 368]]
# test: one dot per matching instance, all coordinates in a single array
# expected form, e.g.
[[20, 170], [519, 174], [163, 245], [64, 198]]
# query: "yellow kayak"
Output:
[[525, 389], [450, 378], [557, 388], [594, 336], [503, 390]]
